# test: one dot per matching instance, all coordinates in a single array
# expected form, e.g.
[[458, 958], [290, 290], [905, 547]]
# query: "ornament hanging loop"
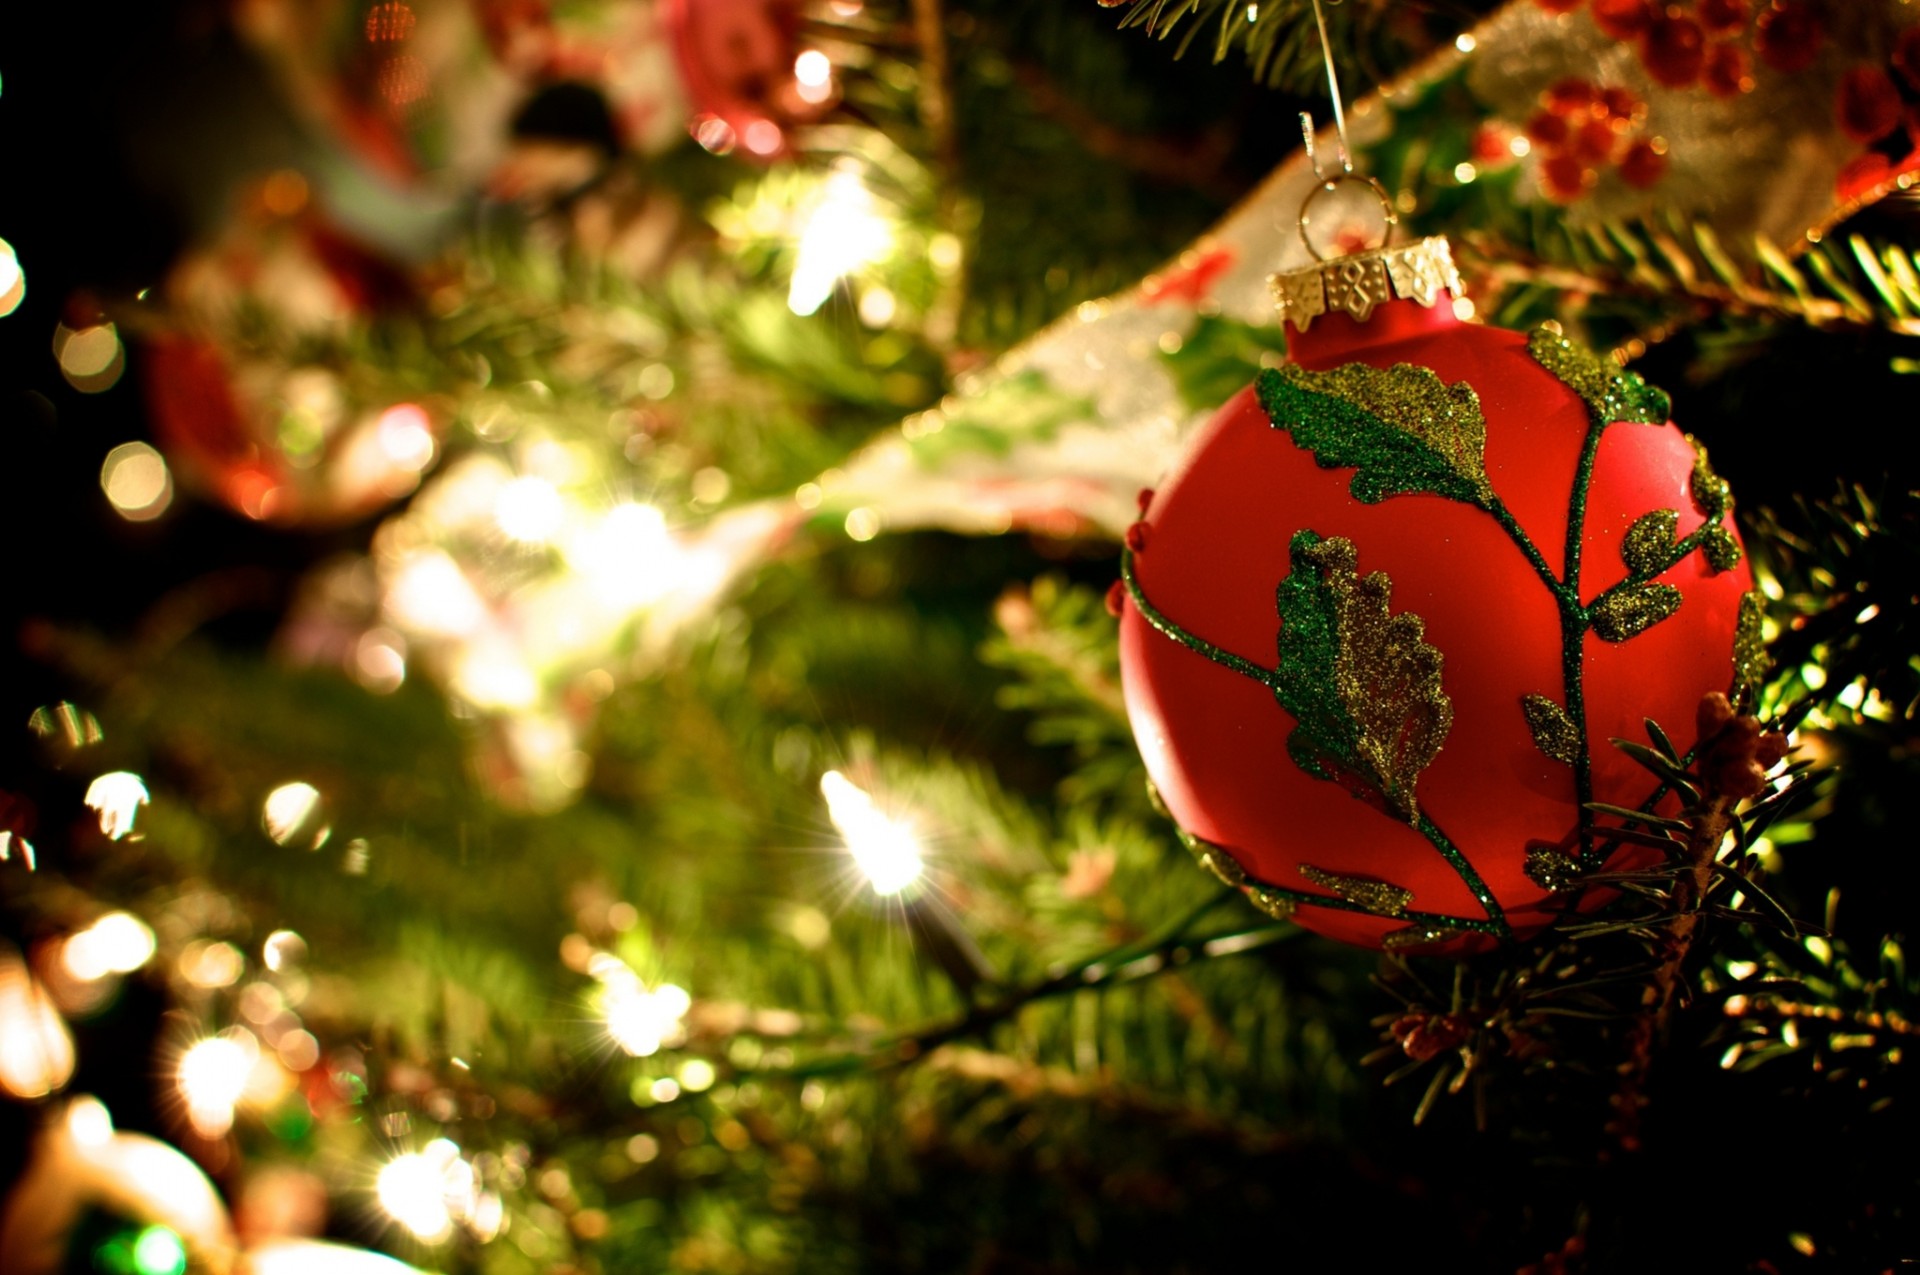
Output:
[[1330, 183]]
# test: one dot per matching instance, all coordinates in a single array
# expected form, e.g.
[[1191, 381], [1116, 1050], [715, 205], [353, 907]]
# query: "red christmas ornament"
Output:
[[737, 58], [1372, 675]]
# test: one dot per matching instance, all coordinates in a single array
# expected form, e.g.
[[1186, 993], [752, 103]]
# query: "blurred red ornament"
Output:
[[1674, 51], [1788, 37], [1621, 104], [1593, 142], [1376, 746], [1724, 17], [1191, 279], [737, 58], [1868, 106], [1861, 174], [1622, 19], [1729, 72], [1565, 179], [1548, 130], [1644, 164]]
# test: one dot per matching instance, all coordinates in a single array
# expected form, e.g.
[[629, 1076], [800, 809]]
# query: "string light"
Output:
[[36, 1053], [13, 280], [427, 1190], [844, 233], [136, 481], [886, 850], [118, 943], [117, 796], [289, 814], [640, 1020], [212, 1076]]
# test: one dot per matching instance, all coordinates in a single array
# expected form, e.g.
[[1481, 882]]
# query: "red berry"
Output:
[[1620, 103], [1492, 144], [1674, 51], [1144, 498], [1565, 97], [1116, 598], [1729, 73], [1558, 6], [1644, 164], [1593, 141], [1906, 56], [1548, 131], [1566, 179], [1137, 536], [1861, 174], [1787, 37], [1869, 105], [1723, 17], [1622, 19]]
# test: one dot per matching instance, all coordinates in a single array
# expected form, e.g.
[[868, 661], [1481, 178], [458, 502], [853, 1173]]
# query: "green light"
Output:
[[159, 1251]]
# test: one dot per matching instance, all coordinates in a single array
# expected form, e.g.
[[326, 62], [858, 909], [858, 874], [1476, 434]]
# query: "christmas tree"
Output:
[[564, 709]]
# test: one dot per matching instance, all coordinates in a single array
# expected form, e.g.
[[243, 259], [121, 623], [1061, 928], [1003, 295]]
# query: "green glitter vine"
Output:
[[1363, 688]]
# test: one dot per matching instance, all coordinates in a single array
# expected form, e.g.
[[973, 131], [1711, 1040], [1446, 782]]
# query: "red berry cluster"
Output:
[[1872, 104], [1582, 128], [1688, 42]]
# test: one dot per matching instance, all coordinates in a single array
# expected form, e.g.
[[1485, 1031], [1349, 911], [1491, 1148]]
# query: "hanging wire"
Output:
[[1333, 90]]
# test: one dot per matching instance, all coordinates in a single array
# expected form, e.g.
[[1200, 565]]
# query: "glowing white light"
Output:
[[7, 840], [406, 436], [317, 1257], [641, 1021], [380, 661], [427, 1190], [1465, 43], [431, 595], [843, 234], [813, 77], [282, 949], [36, 1053], [885, 849], [287, 812], [90, 358], [530, 510], [136, 481], [13, 280], [630, 557], [118, 943], [89, 1122], [117, 796], [212, 1076], [491, 675]]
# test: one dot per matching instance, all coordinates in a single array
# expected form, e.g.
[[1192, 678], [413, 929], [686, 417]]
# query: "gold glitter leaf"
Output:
[[1648, 547], [1627, 611], [1419, 935], [1382, 898], [1612, 394], [1400, 430], [1362, 684], [1750, 659], [1553, 731], [1551, 868], [1711, 494], [1269, 900]]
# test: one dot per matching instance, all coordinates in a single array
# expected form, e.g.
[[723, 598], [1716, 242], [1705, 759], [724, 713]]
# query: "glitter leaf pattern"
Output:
[[1612, 394], [1362, 684], [1621, 613], [1648, 547], [1401, 431], [1750, 659], [1382, 898], [1553, 731]]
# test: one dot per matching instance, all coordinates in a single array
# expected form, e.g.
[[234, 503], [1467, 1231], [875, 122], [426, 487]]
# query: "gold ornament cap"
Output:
[[1354, 285]]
